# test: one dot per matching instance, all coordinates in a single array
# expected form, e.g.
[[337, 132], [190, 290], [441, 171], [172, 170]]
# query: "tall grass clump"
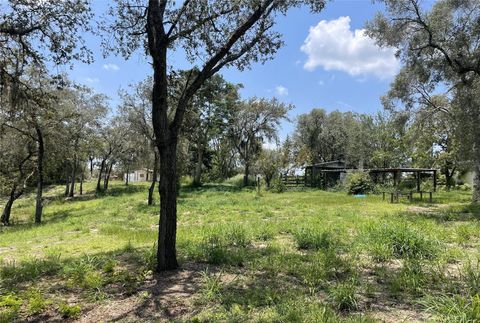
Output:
[[470, 275], [29, 270], [401, 242], [343, 296], [453, 308], [225, 245], [315, 239]]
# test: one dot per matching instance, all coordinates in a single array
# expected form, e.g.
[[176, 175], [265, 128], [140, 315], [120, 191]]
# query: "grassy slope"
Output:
[[303, 255]]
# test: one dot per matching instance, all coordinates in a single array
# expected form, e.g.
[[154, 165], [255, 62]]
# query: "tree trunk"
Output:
[[40, 157], [126, 177], [166, 253], [197, 176], [448, 179], [154, 179], [102, 166], [67, 185], [74, 173], [8, 207], [107, 176], [91, 166], [476, 178], [247, 171], [81, 183]]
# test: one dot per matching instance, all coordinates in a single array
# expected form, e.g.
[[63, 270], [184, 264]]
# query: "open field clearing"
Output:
[[304, 255]]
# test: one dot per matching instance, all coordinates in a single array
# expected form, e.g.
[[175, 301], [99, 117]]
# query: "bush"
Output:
[[359, 183], [278, 186]]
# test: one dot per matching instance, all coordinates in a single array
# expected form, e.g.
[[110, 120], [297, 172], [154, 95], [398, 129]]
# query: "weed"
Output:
[[343, 296], [400, 241], [470, 274], [9, 306], [453, 308], [36, 302], [69, 311], [411, 279], [212, 285], [315, 239], [109, 266]]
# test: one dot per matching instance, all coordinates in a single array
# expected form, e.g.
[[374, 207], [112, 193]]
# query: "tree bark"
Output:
[[476, 178], [67, 184], [197, 176], [5, 219], [40, 157], [448, 179], [91, 166], [81, 184], [476, 160], [126, 178], [154, 179], [74, 173], [102, 166], [107, 176], [247, 171], [166, 253]]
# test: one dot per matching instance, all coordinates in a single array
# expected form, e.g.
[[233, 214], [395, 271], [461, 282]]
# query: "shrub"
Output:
[[464, 187], [278, 186], [359, 183]]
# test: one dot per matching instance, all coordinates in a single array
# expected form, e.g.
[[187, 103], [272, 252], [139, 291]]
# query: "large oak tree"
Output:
[[219, 33]]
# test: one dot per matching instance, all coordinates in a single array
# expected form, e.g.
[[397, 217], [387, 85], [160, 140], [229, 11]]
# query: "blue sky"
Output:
[[326, 63]]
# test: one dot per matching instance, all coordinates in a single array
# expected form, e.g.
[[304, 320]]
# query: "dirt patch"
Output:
[[163, 297], [393, 314]]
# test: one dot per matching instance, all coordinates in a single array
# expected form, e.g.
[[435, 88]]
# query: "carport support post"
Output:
[[435, 180], [418, 182]]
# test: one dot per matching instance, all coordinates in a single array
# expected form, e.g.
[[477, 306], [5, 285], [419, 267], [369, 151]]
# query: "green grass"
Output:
[[303, 255]]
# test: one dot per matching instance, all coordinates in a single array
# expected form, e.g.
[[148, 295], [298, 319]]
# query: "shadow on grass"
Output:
[[466, 212], [114, 276], [212, 188]]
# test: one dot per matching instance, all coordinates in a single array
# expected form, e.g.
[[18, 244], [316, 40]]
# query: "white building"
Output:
[[139, 175]]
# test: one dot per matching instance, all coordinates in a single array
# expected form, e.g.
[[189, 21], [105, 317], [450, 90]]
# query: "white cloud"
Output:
[[281, 90], [334, 46], [111, 67], [92, 80]]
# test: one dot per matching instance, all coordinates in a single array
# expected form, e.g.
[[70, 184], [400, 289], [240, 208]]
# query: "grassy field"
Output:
[[309, 256]]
